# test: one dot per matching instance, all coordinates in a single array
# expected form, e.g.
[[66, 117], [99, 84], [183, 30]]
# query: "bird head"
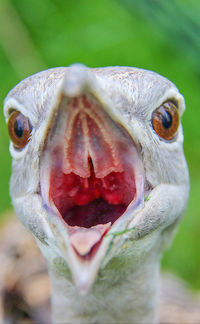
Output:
[[98, 169]]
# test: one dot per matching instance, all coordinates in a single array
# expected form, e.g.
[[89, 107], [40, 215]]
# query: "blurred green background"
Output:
[[159, 35]]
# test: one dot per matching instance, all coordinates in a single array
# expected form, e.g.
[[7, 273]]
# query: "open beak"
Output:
[[92, 177]]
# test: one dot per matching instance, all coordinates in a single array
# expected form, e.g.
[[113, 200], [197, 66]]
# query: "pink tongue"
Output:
[[84, 239]]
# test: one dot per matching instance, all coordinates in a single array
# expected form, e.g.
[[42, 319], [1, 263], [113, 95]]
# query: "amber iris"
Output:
[[165, 120], [19, 129]]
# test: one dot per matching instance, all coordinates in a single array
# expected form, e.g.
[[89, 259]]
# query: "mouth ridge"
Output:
[[89, 199]]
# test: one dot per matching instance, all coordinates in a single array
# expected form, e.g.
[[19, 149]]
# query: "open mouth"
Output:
[[87, 202], [94, 172]]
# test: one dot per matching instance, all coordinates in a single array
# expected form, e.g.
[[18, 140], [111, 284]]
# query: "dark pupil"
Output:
[[18, 127], [166, 119]]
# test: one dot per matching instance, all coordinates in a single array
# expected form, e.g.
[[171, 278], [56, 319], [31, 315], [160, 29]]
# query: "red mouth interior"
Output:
[[86, 202], [91, 174]]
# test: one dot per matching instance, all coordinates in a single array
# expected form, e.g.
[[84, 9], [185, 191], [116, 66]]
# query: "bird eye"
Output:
[[165, 120], [19, 129]]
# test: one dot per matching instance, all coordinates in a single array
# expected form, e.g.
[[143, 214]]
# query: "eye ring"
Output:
[[19, 129], [165, 121]]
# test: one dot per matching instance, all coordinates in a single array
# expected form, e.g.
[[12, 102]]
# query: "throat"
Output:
[[87, 202], [135, 294], [98, 211]]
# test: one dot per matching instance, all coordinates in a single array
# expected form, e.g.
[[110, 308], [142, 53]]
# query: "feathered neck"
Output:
[[123, 293]]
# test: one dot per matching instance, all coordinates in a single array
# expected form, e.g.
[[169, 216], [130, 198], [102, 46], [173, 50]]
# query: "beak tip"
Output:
[[83, 285], [75, 80]]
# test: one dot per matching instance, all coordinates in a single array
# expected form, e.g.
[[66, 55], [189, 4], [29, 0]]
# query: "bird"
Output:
[[100, 179]]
